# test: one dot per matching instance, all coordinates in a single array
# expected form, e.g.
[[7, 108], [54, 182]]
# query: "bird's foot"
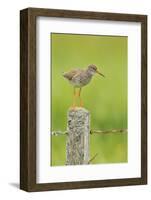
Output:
[[73, 107]]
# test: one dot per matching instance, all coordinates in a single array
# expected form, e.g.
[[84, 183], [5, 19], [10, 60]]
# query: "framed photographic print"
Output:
[[83, 99]]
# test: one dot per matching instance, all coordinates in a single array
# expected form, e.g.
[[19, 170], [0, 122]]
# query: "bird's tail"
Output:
[[63, 74]]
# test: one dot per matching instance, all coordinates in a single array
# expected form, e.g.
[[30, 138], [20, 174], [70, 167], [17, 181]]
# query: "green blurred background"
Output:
[[105, 98]]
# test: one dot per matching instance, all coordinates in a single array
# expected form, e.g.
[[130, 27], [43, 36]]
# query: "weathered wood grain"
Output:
[[78, 126]]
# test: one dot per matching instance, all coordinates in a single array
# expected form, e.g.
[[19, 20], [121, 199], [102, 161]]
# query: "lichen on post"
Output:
[[78, 128]]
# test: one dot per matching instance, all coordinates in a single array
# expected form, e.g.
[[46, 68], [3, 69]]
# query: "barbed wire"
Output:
[[108, 131], [57, 133]]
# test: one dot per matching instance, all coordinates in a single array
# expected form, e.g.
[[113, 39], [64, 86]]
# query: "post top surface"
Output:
[[76, 109]]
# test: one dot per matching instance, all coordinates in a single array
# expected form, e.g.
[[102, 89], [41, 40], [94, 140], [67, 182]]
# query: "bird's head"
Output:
[[92, 69]]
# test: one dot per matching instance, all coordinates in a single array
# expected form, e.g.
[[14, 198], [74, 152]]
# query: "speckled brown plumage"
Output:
[[78, 78]]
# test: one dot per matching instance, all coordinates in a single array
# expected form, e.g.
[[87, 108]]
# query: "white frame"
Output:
[[132, 169]]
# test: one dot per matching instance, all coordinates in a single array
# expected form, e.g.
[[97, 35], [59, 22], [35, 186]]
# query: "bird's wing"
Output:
[[69, 75]]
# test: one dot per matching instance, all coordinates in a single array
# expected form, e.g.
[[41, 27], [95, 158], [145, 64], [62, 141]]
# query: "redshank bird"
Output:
[[78, 78]]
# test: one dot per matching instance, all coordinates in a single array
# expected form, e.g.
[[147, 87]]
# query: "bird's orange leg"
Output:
[[81, 103]]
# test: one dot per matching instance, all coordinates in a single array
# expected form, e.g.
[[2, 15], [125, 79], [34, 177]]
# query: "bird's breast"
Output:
[[80, 81]]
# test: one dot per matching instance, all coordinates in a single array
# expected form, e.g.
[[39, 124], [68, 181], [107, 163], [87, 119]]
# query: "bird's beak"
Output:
[[99, 73]]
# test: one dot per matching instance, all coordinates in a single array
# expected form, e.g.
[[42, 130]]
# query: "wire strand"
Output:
[[108, 131]]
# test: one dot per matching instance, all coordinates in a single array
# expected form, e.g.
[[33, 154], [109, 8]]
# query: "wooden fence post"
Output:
[[78, 128]]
